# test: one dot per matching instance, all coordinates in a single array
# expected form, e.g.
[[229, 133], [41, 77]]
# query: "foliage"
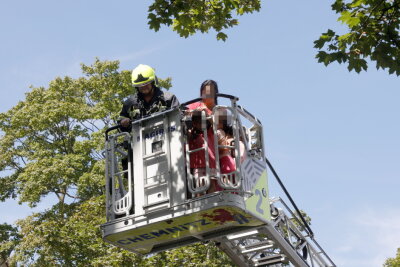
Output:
[[298, 222], [9, 238], [51, 144], [373, 34], [188, 16], [195, 255], [393, 262]]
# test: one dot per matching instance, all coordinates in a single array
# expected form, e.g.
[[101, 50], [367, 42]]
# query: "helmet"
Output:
[[143, 75]]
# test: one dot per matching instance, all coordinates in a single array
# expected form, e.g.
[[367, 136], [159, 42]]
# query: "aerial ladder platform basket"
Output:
[[155, 201]]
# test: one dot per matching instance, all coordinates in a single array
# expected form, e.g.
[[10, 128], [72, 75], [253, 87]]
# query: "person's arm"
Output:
[[124, 119], [221, 137]]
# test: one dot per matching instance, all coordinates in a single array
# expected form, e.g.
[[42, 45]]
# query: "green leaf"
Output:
[[319, 43], [350, 19], [344, 37], [357, 3], [222, 36], [338, 6]]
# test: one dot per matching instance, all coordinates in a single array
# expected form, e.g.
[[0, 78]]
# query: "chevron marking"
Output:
[[252, 172]]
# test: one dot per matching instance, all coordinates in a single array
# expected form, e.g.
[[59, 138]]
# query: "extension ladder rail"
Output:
[[278, 243]]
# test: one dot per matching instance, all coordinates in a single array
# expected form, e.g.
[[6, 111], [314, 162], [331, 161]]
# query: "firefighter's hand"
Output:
[[125, 122]]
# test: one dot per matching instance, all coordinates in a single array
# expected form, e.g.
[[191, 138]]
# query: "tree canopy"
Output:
[[188, 17], [8, 240], [372, 35], [372, 28], [393, 262], [51, 144]]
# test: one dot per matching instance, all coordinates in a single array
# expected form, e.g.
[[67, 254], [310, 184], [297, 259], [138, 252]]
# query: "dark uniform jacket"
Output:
[[135, 107]]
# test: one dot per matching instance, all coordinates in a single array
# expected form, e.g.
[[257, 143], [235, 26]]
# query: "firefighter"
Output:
[[148, 99]]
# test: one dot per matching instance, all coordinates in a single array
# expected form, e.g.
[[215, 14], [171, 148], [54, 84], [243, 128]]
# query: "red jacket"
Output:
[[198, 159]]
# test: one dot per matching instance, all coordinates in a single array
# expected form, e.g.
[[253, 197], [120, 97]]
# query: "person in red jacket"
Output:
[[208, 91]]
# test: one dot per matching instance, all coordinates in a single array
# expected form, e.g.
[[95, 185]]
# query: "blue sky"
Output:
[[333, 136]]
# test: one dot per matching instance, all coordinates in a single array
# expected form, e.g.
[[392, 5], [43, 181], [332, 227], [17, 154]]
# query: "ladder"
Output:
[[282, 242]]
